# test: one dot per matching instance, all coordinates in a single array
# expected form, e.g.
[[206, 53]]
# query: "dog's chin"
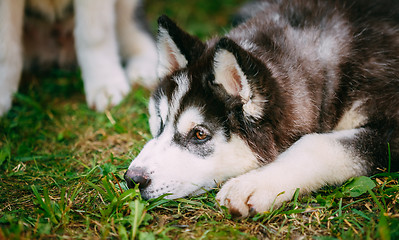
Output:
[[197, 192], [146, 195]]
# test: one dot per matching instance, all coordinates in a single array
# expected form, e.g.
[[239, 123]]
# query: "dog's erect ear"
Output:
[[176, 48], [240, 74]]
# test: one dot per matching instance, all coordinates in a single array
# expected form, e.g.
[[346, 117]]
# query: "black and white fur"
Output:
[[47, 32], [302, 94]]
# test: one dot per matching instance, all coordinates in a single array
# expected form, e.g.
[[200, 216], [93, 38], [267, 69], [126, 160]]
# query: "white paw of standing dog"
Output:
[[105, 88], [5, 103], [253, 193], [142, 70]]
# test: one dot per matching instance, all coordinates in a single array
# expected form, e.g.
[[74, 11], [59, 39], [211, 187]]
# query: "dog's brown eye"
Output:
[[200, 135]]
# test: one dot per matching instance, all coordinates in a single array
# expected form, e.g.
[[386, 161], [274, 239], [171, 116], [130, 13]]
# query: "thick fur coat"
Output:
[[299, 95]]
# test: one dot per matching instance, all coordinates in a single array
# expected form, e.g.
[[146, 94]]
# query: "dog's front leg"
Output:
[[136, 43], [11, 20], [312, 162], [97, 50]]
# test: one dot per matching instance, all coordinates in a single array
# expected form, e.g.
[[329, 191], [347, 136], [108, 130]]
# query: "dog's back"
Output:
[[335, 53]]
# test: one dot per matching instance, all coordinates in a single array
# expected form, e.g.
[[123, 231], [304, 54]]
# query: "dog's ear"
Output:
[[241, 74], [176, 48]]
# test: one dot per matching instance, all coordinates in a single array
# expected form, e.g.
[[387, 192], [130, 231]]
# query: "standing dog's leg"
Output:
[[137, 45], [97, 51], [11, 19]]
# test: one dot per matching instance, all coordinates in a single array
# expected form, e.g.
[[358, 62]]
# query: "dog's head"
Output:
[[200, 115]]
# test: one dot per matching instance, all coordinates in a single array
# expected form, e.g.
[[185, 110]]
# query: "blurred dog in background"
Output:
[[98, 34]]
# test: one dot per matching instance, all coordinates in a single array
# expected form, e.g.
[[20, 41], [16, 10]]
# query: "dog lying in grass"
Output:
[[45, 33], [300, 95]]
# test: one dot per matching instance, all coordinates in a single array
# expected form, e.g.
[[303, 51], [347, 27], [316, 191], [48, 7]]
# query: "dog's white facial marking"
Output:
[[154, 119], [158, 114], [163, 108], [169, 56], [235, 154], [173, 169], [312, 162], [229, 74], [352, 118], [182, 88], [184, 167], [188, 120]]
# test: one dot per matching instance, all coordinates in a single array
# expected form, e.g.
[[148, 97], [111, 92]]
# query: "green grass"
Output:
[[62, 165]]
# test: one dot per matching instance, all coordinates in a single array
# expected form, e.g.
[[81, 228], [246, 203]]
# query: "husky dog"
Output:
[[302, 94], [45, 32]]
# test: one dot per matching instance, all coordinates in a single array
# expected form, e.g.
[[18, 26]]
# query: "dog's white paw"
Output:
[[105, 90], [5, 103], [9, 79], [252, 193], [143, 71]]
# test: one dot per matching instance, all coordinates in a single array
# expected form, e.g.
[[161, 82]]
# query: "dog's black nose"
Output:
[[137, 176]]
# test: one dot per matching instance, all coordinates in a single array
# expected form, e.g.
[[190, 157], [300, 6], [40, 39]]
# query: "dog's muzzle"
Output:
[[137, 176]]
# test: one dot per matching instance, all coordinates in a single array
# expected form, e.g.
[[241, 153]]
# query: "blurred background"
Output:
[[202, 18]]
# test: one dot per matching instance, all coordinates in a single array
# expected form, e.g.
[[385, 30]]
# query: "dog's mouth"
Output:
[[170, 192], [150, 189]]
